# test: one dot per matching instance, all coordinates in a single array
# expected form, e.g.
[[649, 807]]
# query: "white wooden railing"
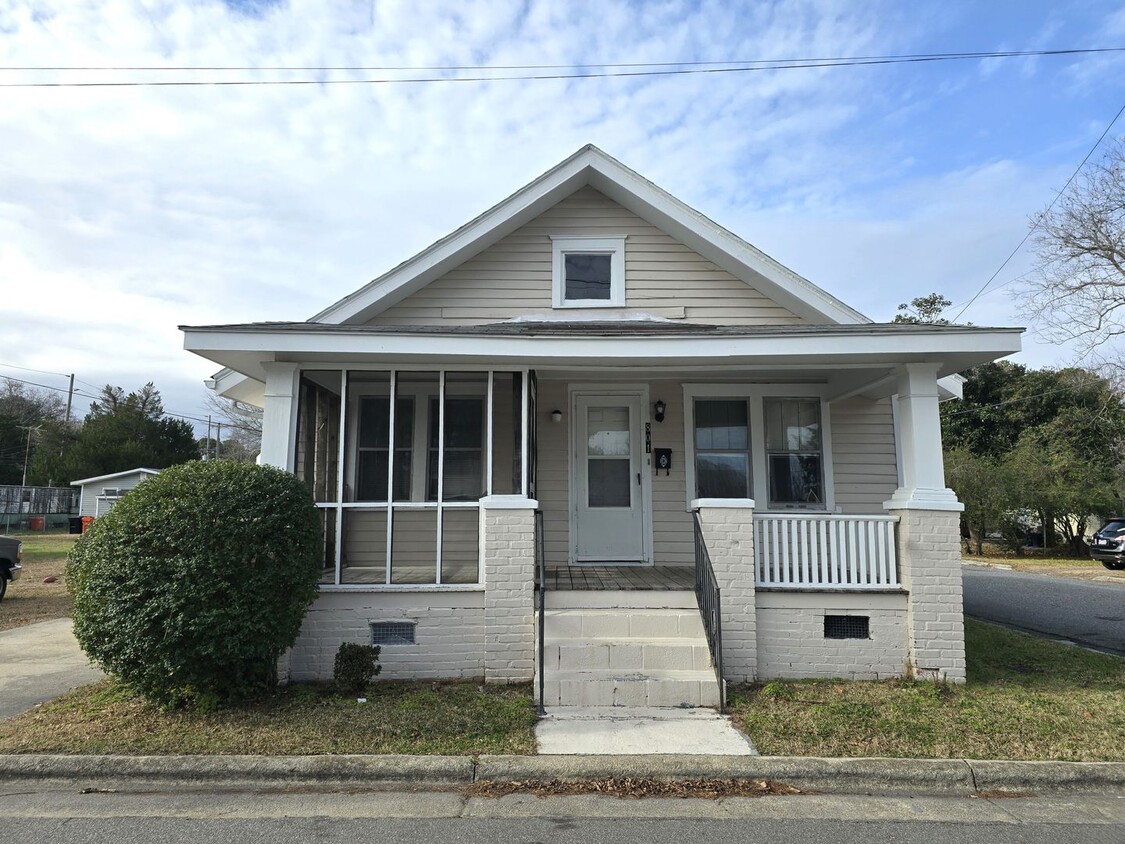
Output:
[[825, 551]]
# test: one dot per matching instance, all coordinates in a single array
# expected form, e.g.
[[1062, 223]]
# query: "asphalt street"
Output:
[[28, 816], [1089, 614]]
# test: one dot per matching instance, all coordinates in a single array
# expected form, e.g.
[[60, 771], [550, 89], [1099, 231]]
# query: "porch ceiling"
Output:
[[854, 359]]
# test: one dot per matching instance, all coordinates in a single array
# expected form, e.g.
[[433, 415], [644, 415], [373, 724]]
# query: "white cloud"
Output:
[[127, 211]]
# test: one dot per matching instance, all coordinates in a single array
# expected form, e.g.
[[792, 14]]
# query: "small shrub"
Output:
[[197, 581], [356, 666]]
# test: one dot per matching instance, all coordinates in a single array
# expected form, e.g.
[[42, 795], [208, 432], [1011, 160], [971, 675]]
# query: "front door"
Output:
[[609, 499]]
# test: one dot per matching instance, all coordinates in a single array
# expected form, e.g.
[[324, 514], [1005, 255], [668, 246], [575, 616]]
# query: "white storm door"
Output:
[[609, 496]]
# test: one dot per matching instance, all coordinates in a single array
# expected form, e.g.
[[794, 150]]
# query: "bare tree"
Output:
[[241, 422], [1077, 289]]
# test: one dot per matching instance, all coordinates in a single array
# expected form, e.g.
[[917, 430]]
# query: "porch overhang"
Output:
[[853, 359]]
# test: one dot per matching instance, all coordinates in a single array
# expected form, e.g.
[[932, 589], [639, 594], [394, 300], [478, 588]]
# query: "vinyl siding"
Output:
[[513, 277], [863, 454], [88, 504], [863, 459]]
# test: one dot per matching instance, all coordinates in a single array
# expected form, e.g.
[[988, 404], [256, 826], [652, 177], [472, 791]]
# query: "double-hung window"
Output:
[[794, 456], [722, 448], [588, 272]]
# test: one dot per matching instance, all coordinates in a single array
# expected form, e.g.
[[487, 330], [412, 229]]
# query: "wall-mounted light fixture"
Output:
[[556, 416], [660, 407]]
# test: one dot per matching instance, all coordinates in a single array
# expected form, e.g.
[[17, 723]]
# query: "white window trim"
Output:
[[612, 245], [759, 480]]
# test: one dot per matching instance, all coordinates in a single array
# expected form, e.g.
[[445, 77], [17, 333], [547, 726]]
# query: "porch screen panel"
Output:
[[327, 544], [507, 435], [463, 446], [369, 397], [318, 433], [364, 552], [722, 448], [794, 452], [460, 544], [414, 545], [421, 391]]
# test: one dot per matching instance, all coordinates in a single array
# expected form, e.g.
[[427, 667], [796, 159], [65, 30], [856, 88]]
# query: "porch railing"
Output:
[[825, 551], [541, 568], [709, 598]]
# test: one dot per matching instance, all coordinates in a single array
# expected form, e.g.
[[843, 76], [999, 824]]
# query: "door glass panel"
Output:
[[610, 482], [607, 431], [608, 463]]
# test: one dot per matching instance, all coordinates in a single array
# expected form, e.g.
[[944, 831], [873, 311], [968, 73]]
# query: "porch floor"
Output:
[[589, 578]]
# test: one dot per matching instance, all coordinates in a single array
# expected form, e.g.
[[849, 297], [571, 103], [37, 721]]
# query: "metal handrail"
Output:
[[541, 565], [709, 597]]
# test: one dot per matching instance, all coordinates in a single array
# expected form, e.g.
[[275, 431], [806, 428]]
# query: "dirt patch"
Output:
[[40, 593], [636, 788]]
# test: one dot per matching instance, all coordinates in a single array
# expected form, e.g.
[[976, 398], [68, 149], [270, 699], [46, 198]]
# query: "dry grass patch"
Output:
[[422, 718], [636, 787], [29, 599], [1027, 698]]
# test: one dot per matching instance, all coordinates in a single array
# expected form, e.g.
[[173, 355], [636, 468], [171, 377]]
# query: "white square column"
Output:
[[279, 416], [928, 536]]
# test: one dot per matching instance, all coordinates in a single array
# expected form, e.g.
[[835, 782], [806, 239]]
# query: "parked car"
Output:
[[11, 553], [1107, 546]]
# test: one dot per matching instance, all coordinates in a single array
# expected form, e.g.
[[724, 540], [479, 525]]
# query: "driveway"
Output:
[[39, 662], [1081, 611]]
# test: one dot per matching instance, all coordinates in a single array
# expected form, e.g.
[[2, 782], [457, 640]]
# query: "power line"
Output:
[[716, 63], [29, 369], [1031, 229], [623, 71]]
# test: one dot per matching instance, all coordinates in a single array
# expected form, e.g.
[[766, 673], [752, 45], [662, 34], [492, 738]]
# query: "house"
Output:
[[97, 495], [716, 470]]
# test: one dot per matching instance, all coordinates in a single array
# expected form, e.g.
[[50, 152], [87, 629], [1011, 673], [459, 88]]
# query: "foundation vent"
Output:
[[847, 627], [392, 632]]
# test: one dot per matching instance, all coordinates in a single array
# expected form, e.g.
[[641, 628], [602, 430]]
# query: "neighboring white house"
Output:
[[722, 469], [98, 495]]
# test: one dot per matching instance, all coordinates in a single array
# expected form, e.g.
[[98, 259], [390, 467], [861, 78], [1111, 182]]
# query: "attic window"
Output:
[[588, 272]]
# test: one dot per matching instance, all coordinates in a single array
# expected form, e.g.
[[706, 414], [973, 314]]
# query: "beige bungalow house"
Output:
[[593, 438]]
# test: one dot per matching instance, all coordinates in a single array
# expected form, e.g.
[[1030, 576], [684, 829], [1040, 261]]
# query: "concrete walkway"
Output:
[[628, 731], [39, 662]]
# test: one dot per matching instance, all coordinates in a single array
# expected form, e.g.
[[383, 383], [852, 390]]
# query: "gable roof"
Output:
[[115, 475], [590, 166]]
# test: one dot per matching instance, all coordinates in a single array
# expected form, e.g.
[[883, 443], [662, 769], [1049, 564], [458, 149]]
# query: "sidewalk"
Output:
[[40, 661]]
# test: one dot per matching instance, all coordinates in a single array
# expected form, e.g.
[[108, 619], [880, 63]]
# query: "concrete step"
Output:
[[619, 624], [674, 654], [621, 598], [622, 688]]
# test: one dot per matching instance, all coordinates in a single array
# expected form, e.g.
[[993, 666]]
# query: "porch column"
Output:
[[928, 536], [507, 541], [728, 533], [279, 416]]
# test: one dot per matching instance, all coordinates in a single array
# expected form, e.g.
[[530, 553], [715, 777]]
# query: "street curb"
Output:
[[839, 776]]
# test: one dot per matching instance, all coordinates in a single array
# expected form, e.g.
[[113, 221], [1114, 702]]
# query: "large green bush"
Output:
[[197, 581]]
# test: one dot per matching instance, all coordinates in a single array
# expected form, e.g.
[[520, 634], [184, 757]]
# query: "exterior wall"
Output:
[[791, 641], [929, 552], [450, 636], [88, 503], [863, 454], [513, 277]]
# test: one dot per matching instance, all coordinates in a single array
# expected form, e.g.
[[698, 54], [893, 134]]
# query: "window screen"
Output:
[[588, 276], [794, 458], [722, 448]]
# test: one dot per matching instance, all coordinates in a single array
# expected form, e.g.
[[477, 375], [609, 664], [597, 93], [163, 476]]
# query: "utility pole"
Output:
[[218, 439], [69, 398], [207, 447], [27, 451]]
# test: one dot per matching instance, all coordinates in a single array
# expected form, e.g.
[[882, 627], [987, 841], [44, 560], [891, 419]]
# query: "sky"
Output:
[[127, 211]]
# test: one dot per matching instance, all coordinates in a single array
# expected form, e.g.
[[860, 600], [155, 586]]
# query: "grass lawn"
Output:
[[427, 718], [29, 599], [1026, 698], [1034, 561]]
